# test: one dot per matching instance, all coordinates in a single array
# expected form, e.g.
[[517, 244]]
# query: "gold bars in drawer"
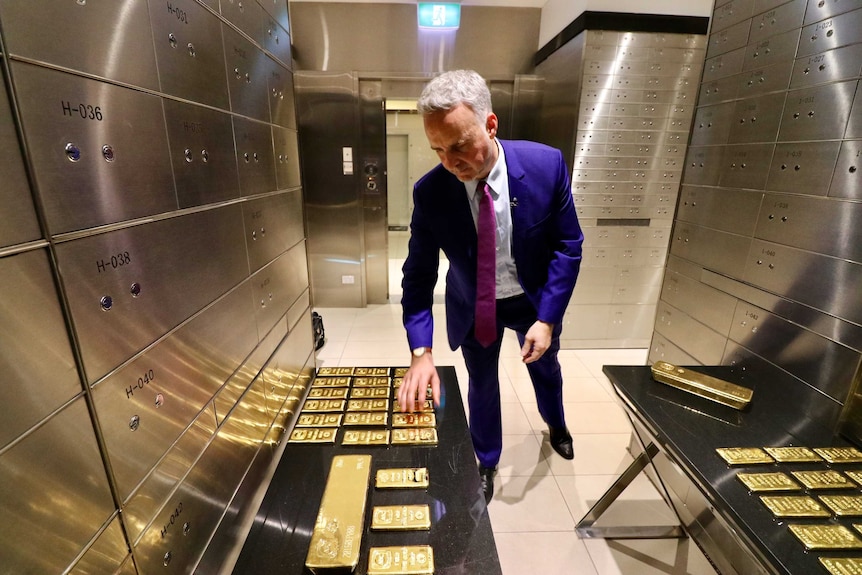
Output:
[[702, 385], [371, 381], [826, 537], [842, 565], [839, 454], [313, 435], [793, 506], [844, 505], [399, 371], [337, 535], [365, 437], [821, 479], [773, 481], [333, 371], [792, 454], [322, 405], [414, 436], [371, 371], [368, 418], [744, 455], [367, 405], [401, 518], [369, 393], [413, 560], [327, 393], [423, 419], [319, 420], [405, 478], [331, 382]]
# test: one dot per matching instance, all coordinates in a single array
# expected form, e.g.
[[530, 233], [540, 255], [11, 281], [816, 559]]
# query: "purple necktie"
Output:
[[486, 269]]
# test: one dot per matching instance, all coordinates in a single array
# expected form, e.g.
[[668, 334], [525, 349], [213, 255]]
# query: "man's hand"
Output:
[[537, 341], [413, 390]]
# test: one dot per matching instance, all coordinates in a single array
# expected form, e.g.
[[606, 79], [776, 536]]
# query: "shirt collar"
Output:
[[494, 178]]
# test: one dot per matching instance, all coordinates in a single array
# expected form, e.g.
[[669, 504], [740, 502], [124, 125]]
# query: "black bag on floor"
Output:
[[317, 328]]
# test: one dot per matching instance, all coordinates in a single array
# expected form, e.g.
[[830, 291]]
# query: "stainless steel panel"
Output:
[[847, 179], [724, 65], [827, 8], [731, 13], [764, 5], [188, 41], [702, 343], [55, 494], [286, 145], [247, 15], [254, 156], [799, 221], [712, 124], [295, 311], [715, 250], [724, 209], [106, 554], [631, 322], [764, 80], [74, 35], [247, 76], [789, 271], [831, 33], [278, 10], [770, 51], [277, 285], [36, 360], [804, 168], [150, 278], [832, 66], [756, 119], [705, 304], [777, 20], [147, 404], [84, 139], [818, 113], [202, 154], [588, 321], [854, 125], [281, 100], [662, 349], [287, 364], [272, 225], [602, 37], [719, 91], [703, 165], [746, 166], [19, 218]]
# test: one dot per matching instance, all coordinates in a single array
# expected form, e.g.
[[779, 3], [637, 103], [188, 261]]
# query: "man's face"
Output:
[[464, 144]]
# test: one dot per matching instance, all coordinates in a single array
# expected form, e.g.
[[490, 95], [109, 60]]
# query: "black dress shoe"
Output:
[[486, 477], [561, 441]]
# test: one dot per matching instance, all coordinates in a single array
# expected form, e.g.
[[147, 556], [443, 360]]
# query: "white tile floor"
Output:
[[539, 497]]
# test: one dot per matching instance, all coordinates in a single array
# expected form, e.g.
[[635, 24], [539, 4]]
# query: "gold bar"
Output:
[[375, 381], [826, 536], [821, 479], [328, 393], [702, 385], [367, 405], [313, 435], [775, 481], [369, 393], [330, 371], [793, 506], [844, 505], [855, 476], [401, 518], [366, 418], [414, 420], [406, 478], [321, 405], [399, 371], [371, 371], [331, 382], [397, 381], [792, 454], [365, 437], [839, 454], [414, 436], [319, 420], [337, 535], [842, 565], [744, 455], [413, 560]]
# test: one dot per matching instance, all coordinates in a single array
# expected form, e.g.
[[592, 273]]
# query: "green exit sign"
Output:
[[439, 16]]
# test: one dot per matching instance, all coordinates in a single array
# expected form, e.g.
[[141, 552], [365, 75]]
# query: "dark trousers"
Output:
[[483, 396]]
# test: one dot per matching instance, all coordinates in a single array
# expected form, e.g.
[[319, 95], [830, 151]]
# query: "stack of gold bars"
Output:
[[360, 400], [819, 490]]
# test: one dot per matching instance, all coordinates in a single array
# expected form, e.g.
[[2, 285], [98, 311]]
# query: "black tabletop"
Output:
[[783, 412], [460, 534]]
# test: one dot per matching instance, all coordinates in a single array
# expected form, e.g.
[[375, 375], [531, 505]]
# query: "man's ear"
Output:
[[491, 125]]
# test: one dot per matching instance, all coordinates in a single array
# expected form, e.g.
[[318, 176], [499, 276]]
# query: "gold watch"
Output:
[[420, 351]]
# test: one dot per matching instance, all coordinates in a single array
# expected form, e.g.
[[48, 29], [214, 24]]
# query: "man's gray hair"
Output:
[[449, 89]]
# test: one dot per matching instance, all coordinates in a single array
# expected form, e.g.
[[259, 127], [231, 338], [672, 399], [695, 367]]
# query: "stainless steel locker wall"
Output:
[[154, 278]]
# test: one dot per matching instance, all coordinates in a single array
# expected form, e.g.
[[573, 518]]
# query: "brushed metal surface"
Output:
[[288, 363], [246, 15], [272, 225], [764, 80], [277, 9], [715, 250], [701, 302], [712, 124], [286, 146], [782, 18], [202, 154], [847, 178], [58, 110], [277, 285], [820, 10], [188, 40], [730, 13], [662, 349], [818, 113], [254, 156], [703, 165], [724, 209], [831, 33], [34, 345], [803, 168], [276, 40], [55, 496], [179, 265], [746, 166], [719, 91], [74, 35], [106, 554], [830, 66], [693, 337], [756, 119], [854, 125], [724, 65], [772, 50], [281, 95], [247, 75]]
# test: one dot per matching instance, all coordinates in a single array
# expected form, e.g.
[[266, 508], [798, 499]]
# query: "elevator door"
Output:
[[397, 178]]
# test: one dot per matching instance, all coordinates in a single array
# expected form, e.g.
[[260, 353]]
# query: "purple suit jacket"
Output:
[[546, 242]]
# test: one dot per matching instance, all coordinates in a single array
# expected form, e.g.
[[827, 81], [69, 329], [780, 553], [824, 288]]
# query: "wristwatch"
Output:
[[420, 351]]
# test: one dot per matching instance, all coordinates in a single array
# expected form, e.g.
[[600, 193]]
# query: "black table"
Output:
[[460, 534], [688, 428]]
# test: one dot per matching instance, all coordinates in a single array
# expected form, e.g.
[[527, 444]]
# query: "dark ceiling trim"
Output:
[[623, 22]]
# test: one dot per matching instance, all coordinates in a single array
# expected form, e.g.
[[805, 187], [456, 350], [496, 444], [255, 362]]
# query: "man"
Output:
[[535, 254]]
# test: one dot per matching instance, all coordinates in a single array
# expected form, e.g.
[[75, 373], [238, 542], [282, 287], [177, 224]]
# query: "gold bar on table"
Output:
[[414, 420], [405, 478], [365, 437], [375, 381], [367, 405], [399, 371], [773, 481], [793, 506], [855, 475], [337, 535], [844, 505], [792, 454], [322, 405], [414, 436], [842, 565], [319, 420], [331, 382], [826, 536], [744, 455], [331, 371], [401, 518], [369, 393], [839, 454], [328, 393], [313, 435], [413, 560], [371, 371], [396, 382], [702, 385], [822, 479], [366, 418]]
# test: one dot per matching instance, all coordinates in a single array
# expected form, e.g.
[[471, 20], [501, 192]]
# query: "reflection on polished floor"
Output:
[[539, 497]]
